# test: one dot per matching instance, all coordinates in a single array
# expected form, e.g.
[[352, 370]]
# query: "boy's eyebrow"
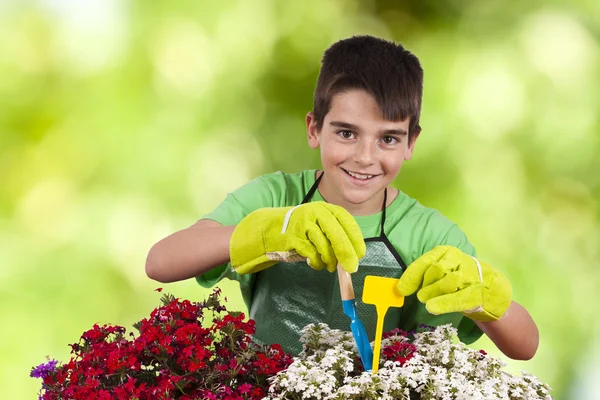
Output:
[[346, 125]]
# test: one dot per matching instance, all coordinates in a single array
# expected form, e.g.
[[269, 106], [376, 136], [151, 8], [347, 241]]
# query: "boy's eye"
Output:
[[346, 134], [389, 140]]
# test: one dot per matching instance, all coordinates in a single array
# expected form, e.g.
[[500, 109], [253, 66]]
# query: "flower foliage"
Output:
[[183, 351], [428, 364]]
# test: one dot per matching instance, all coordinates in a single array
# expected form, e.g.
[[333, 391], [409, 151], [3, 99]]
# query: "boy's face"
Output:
[[361, 152]]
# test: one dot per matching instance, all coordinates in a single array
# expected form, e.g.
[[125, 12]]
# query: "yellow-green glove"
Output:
[[449, 280], [319, 233]]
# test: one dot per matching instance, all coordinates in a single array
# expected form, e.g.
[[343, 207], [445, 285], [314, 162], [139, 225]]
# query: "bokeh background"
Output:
[[124, 121]]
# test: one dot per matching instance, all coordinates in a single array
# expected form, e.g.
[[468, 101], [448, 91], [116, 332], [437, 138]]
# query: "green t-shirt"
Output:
[[411, 228]]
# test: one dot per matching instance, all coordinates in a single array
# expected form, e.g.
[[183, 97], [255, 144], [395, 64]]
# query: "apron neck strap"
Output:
[[313, 189], [383, 208]]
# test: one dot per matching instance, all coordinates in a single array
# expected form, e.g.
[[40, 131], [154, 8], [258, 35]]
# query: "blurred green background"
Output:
[[124, 121]]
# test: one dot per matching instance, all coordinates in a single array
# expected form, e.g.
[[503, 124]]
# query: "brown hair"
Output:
[[390, 73]]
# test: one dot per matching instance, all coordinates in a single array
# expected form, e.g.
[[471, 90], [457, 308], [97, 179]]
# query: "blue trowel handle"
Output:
[[356, 326]]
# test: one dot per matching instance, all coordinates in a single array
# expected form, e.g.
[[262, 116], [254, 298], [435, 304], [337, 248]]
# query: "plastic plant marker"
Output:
[[356, 325], [382, 293]]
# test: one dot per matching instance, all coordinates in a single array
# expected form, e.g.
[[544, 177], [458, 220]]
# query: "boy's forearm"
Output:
[[190, 252], [515, 334]]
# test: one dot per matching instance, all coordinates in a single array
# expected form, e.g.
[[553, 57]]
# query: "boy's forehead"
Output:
[[359, 107]]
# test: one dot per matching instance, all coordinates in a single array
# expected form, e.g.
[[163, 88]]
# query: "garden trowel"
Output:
[[356, 326]]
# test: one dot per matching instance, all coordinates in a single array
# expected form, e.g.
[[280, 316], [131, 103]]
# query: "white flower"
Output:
[[441, 368]]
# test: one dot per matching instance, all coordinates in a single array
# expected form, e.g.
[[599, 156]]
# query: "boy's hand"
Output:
[[320, 233], [452, 281]]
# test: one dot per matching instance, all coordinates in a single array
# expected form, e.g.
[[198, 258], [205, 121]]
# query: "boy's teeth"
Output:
[[359, 176]]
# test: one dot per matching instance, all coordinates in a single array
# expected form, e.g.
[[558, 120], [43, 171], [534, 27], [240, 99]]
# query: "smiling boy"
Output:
[[282, 234], [361, 153]]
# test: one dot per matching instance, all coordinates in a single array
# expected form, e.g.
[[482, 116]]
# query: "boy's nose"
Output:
[[365, 153]]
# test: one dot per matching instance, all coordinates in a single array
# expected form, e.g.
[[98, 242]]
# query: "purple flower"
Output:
[[43, 370]]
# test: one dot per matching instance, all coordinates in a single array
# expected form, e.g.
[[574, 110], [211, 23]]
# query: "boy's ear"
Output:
[[312, 131], [411, 145]]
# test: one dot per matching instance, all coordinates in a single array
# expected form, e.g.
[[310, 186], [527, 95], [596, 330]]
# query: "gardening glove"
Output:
[[449, 280], [319, 233]]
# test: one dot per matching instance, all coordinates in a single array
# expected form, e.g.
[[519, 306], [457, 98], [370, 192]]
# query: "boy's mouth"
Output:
[[359, 176]]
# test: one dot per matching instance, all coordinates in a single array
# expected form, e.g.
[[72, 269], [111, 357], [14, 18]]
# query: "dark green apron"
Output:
[[288, 296]]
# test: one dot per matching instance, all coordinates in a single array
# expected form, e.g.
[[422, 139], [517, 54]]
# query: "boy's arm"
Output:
[[515, 333], [204, 246], [189, 252], [321, 233]]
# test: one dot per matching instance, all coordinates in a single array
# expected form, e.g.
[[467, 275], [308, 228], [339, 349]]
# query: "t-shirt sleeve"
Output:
[[457, 238], [250, 197], [237, 205], [468, 331]]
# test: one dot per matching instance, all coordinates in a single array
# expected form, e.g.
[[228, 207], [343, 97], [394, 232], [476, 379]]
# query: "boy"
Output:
[[282, 234]]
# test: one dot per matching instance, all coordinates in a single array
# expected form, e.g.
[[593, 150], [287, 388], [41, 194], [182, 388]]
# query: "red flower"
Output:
[[176, 355], [399, 351]]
